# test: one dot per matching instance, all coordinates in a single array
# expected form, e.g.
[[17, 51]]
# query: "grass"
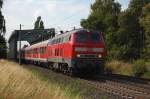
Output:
[[74, 85], [125, 68], [17, 82], [119, 67], [146, 75]]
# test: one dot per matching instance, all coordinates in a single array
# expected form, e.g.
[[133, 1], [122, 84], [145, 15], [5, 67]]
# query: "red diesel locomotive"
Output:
[[77, 51]]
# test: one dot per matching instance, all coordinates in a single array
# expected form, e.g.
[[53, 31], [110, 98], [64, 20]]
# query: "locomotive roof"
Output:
[[70, 32], [44, 43]]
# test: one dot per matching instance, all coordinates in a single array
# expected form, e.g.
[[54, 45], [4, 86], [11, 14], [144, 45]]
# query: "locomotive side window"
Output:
[[57, 41], [67, 38], [54, 41], [61, 41]]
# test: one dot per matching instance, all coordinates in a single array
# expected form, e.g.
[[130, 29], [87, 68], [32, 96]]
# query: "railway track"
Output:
[[122, 87]]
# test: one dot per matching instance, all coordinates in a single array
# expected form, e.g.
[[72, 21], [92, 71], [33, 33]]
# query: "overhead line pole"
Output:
[[20, 45]]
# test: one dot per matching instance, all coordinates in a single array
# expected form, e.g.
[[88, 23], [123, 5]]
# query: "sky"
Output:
[[59, 14]]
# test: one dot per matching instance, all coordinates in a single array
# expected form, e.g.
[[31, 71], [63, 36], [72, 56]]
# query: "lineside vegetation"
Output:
[[16, 82], [138, 68]]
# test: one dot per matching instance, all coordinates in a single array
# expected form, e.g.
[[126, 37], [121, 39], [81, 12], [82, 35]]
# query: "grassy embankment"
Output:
[[124, 68], [17, 82]]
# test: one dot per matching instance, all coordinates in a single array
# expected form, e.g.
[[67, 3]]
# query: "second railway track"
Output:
[[124, 88]]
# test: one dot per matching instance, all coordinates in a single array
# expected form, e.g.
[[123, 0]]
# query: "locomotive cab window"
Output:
[[82, 37], [95, 37]]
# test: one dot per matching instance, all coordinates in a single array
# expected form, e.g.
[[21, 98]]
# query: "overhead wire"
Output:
[[73, 15]]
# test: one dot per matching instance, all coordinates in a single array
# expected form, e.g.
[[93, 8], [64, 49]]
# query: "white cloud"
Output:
[[29, 1], [52, 11], [55, 13]]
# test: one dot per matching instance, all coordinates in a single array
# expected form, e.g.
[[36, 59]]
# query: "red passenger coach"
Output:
[[37, 53], [77, 51]]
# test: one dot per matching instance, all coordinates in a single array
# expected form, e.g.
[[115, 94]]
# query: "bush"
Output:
[[139, 68], [119, 67]]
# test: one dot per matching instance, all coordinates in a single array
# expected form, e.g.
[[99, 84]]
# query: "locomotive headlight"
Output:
[[78, 55], [99, 56]]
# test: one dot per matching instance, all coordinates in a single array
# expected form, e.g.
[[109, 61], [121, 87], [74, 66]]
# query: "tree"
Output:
[[125, 31], [145, 23], [3, 47], [131, 33], [39, 23], [104, 17], [2, 21]]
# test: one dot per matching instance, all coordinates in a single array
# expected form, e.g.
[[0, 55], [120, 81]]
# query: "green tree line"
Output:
[[127, 32], [3, 47]]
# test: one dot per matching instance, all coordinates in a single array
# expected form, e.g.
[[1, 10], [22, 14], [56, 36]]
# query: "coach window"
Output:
[[41, 50], [58, 40], [61, 54], [55, 41], [52, 42], [55, 52], [37, 50], [61, 41], [34, 51], [44, 49]]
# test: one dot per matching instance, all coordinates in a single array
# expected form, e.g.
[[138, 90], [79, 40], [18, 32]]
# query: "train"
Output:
[[79, 51]]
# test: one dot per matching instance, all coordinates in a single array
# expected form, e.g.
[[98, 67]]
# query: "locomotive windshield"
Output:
[[95, 37], [84, 36]]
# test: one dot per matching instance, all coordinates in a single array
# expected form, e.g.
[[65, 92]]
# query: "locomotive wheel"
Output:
[[55, 67], [64, 68], [50, 66], [70, 71]]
